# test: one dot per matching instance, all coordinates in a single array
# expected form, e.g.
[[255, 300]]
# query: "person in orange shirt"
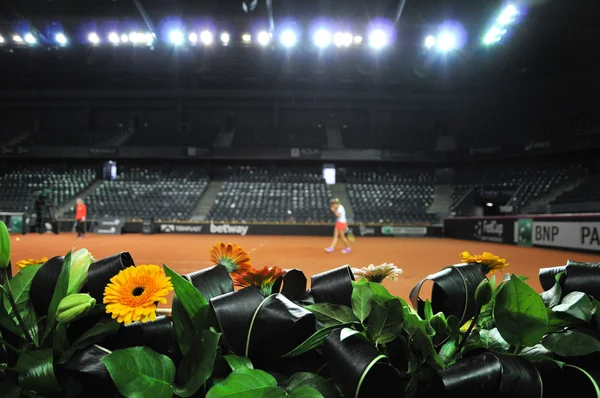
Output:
[[80, 216]]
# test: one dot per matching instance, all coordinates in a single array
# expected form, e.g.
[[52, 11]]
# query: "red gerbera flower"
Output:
[[231, 256], [262, 279]]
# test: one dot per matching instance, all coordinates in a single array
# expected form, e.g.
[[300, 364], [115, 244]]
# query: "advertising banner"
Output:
[[524, 232], [403, 231], [580, 235], [497, 230], [109, 226]]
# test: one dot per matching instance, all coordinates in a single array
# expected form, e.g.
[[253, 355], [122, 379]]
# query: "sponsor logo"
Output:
[[403, 231], [365, 231], [229, 229], [107, 223], [489, 231], [174, 228], [573, 235], [111, 230], [167, 228]]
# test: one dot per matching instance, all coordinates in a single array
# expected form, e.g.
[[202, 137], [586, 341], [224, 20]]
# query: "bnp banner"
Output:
[[584, 235], [403, 231]]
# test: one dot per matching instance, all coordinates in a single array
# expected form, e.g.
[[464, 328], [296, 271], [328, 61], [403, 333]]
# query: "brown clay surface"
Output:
[[418, 257]]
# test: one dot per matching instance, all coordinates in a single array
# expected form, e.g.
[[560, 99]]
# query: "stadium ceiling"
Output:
[[421, 38]]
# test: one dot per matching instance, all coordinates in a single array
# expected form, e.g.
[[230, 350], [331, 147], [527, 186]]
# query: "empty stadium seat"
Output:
[[138, 193], [260, 195]]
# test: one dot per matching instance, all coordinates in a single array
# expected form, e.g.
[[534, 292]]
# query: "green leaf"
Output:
[[552, 297], [571, 343], [314, 341], [141, 372], [92, 336], [428, 311], [386, 321], [60, 292], [493, 340], [198, 364], [7, 321], [520, 314], [189, 297], [322, 385], [236, 362], [305, 392], [184, 328], [60, 341], [331, 314], [36, 371], [447, 351], [20, 286], [4, 246], [243, 383], [576, 304], [30, 321], [361, 301], [380, 293]]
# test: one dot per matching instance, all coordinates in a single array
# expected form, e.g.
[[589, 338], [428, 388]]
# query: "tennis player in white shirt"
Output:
[[341, 226]]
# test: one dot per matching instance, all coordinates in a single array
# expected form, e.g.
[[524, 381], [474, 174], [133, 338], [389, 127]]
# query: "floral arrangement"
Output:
[[76, 326]]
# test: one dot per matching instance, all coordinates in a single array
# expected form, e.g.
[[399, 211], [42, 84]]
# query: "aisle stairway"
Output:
[[207, 200], [441, 201], [65, 207]]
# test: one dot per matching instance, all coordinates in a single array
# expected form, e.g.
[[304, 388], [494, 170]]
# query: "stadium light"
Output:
[[193, 38], [225, 38], [149, 39], [342, 39], [1, 39], [358, 39], [135, 37], [93, 38], [446, 42], [206, 37], [493, 35], [263, 38], [60, 38], [508, 14], [378, 39], [113, 37], [29, 38], [176, 37], [429, 41], [124, 38], [489, 204], [322, 38], [288, 38], [246, 38], [17, 39]]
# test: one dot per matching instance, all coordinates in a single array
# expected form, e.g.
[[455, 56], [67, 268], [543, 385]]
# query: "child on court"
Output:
[[341, 226]]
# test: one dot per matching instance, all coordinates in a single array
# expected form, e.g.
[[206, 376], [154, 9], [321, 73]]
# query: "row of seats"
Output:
[[283, 195], [139, 193], [391, 197], [587, 191], [18, 187]]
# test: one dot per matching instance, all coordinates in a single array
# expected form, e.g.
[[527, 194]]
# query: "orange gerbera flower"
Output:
[[490, 262], [262, 279], [31, 261], [231, 256], [132, 294]]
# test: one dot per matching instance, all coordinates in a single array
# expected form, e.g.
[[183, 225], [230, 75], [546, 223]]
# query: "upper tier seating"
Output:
[[140, 193], [17, 187], [584, 198], [402, 197], [285, 195]]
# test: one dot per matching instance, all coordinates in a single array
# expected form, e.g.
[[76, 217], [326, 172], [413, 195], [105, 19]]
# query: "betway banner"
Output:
[[570, 235], [403, 231], [109, 226]]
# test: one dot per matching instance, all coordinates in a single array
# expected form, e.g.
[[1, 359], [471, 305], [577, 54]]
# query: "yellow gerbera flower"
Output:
[[31, 261], [133, 293], [489, 261], [231, 256]]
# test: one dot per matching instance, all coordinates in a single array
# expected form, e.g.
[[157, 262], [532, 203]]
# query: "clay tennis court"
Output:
[[418, 257]]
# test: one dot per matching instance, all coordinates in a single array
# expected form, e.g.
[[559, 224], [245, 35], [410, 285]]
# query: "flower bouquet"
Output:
[[75, 326]]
